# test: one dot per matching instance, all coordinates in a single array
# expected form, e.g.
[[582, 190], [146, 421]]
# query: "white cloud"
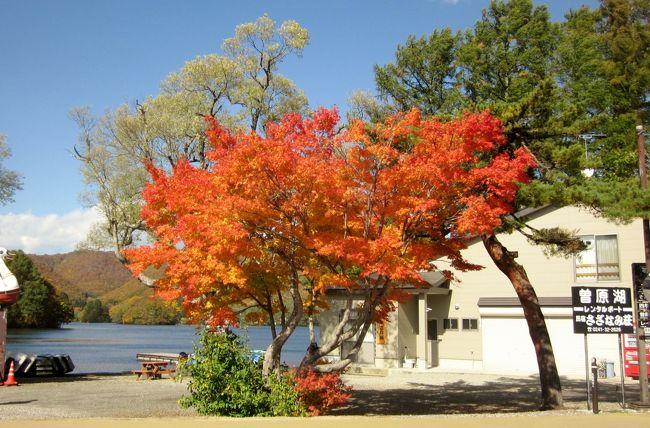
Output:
[[48, 234]]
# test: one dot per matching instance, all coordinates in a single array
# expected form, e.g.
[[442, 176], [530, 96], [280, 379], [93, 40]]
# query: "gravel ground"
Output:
[[84, 396], [121, 396], [437, 393]]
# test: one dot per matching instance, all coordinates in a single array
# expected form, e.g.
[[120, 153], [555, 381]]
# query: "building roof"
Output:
[[433, 278], [436, 281]]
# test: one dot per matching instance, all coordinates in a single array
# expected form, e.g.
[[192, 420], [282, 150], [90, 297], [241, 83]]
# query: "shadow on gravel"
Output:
[[15, 403], [506, 395], [66, 378]]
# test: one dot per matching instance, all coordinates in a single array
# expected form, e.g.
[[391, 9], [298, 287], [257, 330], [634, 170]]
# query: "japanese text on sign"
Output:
[[642, 306], [602, 310], [641, 281]]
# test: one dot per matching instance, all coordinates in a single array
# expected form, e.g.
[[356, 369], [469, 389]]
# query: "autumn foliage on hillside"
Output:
[[307, 207], [83, 273]]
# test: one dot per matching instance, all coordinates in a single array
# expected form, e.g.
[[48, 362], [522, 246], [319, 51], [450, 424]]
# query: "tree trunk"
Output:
[[3, 340], [144, 279], [340, 334], [548, 375], [273, 352], [315, 352], [338, 366], [312, 349]]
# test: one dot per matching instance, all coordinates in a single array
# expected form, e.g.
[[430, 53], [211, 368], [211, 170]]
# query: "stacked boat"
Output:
[[9, 289], [39, 365]]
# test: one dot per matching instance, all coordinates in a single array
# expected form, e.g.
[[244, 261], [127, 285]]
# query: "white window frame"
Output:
[[581, 272]]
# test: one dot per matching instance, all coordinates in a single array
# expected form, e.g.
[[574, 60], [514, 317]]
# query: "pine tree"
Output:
[[39, 305]]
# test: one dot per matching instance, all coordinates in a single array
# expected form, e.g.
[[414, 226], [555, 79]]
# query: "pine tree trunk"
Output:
[[548, 375]]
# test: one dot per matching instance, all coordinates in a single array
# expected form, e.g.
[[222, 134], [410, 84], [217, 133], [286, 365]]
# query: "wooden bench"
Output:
[[146, 373], [154, 370], [170, 372]]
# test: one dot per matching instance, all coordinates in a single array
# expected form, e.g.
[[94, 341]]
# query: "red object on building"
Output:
[[631, 357]]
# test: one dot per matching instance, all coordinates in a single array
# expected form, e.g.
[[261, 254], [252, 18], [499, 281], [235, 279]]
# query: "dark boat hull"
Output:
[[39, 365]]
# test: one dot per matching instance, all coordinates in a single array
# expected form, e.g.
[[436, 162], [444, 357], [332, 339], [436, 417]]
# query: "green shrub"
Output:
[[224, 381], [284, 399]]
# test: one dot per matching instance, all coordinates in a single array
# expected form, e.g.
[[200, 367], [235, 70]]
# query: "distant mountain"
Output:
[[89, 273]]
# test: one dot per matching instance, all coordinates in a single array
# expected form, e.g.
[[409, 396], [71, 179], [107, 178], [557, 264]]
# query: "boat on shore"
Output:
[[9, 289], [39, 365]]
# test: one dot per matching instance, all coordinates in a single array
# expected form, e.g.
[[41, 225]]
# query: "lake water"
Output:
[[111, 348]]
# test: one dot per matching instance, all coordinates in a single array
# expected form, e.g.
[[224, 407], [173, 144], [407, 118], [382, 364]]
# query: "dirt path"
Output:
[[454, 400], [467, 393], [88, 396]]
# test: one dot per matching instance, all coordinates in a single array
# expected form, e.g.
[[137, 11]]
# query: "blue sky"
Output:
[[56, 55]]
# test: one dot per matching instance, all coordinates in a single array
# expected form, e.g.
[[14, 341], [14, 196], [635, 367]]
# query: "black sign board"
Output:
[[602, 310], [641, 281]]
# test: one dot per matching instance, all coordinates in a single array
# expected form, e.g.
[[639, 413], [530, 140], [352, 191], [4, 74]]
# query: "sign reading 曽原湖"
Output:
[[602, 310]]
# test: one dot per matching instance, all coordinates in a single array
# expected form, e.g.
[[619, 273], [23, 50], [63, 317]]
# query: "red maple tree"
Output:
[[279, 218]]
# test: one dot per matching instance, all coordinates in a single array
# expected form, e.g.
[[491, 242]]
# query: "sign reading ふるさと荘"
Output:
[[602, 310]]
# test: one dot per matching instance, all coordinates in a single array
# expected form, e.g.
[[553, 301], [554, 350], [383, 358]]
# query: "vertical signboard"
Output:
[[639, 279], [382, 332], [602, 310]]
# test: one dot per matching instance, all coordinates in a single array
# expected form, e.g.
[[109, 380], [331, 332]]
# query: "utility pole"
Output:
[[640, 330]]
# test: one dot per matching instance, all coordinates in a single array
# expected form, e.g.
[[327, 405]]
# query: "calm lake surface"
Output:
[[111, 348]]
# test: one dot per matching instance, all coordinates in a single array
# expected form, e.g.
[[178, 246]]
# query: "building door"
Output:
[[432, 343], [432, 329]]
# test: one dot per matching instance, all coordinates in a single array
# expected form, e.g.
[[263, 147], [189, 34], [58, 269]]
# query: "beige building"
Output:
[[476, 322]]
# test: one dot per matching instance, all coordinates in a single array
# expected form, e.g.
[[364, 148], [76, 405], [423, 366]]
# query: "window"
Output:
[[599, 262], [450, 323], [470, 324]]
